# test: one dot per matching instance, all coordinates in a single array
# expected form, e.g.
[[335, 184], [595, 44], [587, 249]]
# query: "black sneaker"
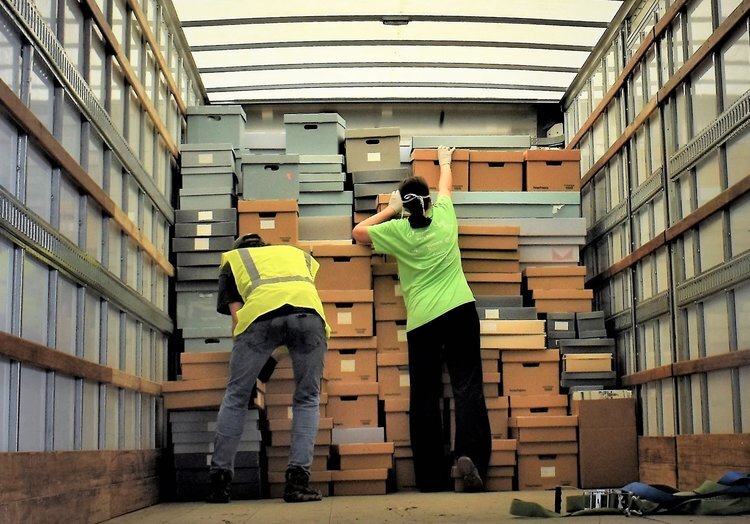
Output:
[[470, 475], [298, 488], [221, 481]]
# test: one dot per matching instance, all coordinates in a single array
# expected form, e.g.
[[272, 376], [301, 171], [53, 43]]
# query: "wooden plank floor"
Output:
[[394, 508]]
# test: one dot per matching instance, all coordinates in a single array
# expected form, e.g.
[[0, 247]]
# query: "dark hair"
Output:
[[249, 240], [415, 194]]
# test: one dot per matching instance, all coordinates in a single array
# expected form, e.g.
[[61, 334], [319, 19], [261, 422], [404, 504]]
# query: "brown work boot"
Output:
[[298, 488]]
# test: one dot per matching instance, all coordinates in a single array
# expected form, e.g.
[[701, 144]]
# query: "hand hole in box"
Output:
[[497, 164], [554, 162], [342, 259], [344, 305], [267, 214], [271, 167], [214, 117], [311, 126], [372, 141], [530, 364], [211, 341]]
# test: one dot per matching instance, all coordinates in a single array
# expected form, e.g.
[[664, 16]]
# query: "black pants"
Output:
[[454, 338]]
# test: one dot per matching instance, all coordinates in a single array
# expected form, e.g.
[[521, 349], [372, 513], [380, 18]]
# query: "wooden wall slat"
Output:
[[708, 457], [647, 375], [31, 125], [23, 350], [657, 460], [735, 359]]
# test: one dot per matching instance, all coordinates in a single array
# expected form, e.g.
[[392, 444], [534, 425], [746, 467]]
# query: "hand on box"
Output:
[[395, 202], [445, 154]]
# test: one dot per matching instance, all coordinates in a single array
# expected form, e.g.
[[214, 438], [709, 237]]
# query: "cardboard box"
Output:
[[553, 170], [544, 429], [365, 455], [397, 420], [503, 452], [496, 171], [189, 394], [325, 228], [387, 290], [538, 405], [490, 266], [404, 470], [276, 221], [607, 435], [372, 149], [196, 366], [359, 482], [503, 238], [511, 327], [562, 300], [531, 372], [513, 342], [391, 335], [278, 458], [348, 312], [494, 284], [587, 362], [353, 404], [555, 277], [351, 365], [424, 163], [343, 266], [357, 435], [497, 411], [547, 471], [281, 432]]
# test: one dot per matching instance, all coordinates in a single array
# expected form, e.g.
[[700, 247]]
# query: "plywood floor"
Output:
[[394, 508]]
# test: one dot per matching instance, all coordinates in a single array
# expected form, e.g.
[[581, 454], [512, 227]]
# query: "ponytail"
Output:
[[415, 195]]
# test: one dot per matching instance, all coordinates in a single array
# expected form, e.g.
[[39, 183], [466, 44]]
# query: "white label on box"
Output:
[[397, 290], [205, 215], [268, 223], [348, 366], [290, 413], [203, 230], [403, 379], [492, 314], [561, 325], [208, 459], [201, 244], [490, 326], [547, 472], [205, 158], [373, 157], [344, 318], [401, 335]]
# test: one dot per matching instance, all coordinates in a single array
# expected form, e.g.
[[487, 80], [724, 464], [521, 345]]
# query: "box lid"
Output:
[[216, 110], [511, 327], [504, 444], [396, 405], [359, 474], [314, 118], [285, 424], [346, 295], [562, 294], [202, 384], [321, 159], [491, 377], [552, 421], [374, 132], [337, 343], [533, 355], [365, 448], [588, 356], [207, 147], [205, 358], [555, 271], [384, 269], [489, 230], [269, 159], [341, 250], [496, 156], [533, 155], [496, 403], [338, 388], [512, 278], [267, 206], [462, 155], [393, 358]]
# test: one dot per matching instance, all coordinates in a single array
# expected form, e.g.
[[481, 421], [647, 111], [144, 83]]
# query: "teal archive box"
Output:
[[208, 154], [270, 177], [211, 124], [314, 133]]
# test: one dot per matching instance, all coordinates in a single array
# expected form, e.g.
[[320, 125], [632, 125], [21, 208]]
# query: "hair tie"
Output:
[[411, 196]]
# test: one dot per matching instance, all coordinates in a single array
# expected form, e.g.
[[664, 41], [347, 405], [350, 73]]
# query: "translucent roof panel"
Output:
[[301, 51]]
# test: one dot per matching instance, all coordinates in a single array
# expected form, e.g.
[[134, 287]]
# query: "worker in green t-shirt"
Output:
[[442, 326]]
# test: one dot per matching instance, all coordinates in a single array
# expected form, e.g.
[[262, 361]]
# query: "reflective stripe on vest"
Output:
[[255, 279]]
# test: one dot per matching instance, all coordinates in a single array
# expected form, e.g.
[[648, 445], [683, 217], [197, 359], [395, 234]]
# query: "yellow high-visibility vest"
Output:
[[270, 277]]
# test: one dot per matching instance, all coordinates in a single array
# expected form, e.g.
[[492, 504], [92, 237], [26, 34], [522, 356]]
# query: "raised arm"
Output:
[[445, 183], [360, 233]]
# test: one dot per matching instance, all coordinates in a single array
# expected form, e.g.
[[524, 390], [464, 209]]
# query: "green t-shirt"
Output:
[[429, 263]]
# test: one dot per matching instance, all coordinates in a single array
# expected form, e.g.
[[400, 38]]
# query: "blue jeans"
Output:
[[304, 334]]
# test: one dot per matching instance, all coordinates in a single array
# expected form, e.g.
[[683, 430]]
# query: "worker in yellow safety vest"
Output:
[[270, 293]]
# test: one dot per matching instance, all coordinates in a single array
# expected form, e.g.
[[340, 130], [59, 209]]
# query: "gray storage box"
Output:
[[325, 228], [588, 345], [202, 244], [270, 177], [211, 229], [374, 189], [209, 180], [208, 447], [321, 163], [207, 258], [216, 124], [368, 203], [208, 154], [191, 273], [198, 309], [333, 197], [209, 344], [317, 187], [561, 323], [499, 301], [591, 325], [314, 133], [381, 175], [372, 149], [205, 215], [324, 210], [322, 177], [507, 313], [207, 198], [205, 333], [600, 380]]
